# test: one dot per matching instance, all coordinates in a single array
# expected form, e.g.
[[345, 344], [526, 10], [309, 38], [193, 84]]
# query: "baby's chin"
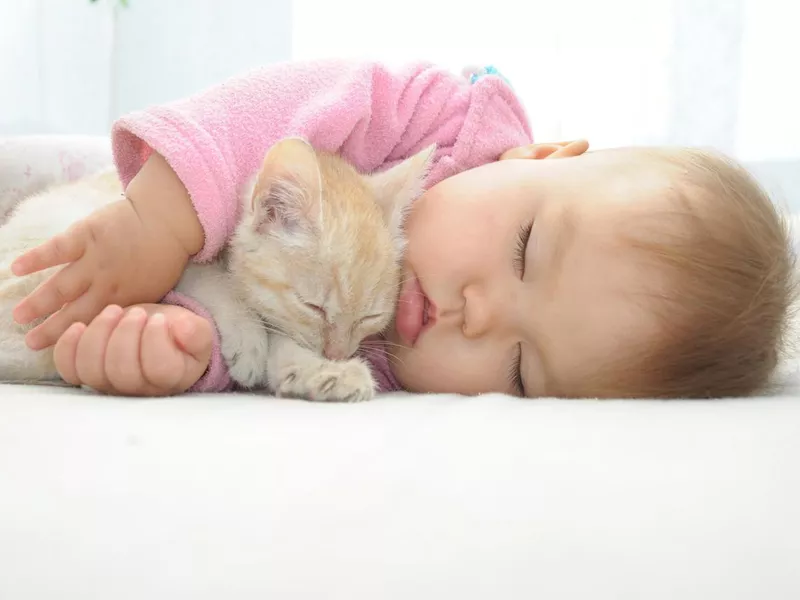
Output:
[[399, 368]]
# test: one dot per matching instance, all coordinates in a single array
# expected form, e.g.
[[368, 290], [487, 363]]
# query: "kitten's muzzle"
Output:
[[334, 351]]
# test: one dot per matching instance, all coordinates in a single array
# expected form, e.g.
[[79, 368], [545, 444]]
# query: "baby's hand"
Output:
[[114, 256], [148, 350], [547, 150]]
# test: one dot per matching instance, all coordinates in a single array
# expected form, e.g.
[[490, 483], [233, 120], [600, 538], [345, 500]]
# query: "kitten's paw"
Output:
[[332, 381], [346, 381], [246, 354]]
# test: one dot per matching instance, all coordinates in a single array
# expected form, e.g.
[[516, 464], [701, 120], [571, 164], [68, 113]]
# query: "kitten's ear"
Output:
[[287, 189], [396, 188]]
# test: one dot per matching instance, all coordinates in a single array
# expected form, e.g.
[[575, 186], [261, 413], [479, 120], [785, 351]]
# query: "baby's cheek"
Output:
[[442, 368], [449, 253]]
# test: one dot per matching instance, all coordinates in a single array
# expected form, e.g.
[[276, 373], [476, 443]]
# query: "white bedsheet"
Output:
[[404, 497]]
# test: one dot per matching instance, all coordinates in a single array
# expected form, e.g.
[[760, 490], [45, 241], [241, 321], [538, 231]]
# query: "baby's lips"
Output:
[[410, 308]]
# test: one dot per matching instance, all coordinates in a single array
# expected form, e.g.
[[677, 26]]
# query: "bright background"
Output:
[[706, 72]]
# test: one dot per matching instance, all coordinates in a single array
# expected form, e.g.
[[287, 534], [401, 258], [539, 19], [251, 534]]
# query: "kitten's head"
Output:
[[318, 248]]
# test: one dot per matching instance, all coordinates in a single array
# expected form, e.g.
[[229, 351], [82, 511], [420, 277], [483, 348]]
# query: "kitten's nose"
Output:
[[334, 352]]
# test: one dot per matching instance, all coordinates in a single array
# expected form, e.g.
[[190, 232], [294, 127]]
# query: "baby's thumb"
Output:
[[194, 336]]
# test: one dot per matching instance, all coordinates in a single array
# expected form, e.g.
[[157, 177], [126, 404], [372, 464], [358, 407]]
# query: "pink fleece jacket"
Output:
[[372, 116]]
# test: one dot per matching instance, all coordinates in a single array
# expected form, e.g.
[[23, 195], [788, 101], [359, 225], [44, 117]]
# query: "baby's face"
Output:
[[516, 280]]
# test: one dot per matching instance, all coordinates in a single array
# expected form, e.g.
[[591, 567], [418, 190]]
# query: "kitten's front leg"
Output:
[[245, 347], [297, 372], [243, 338]]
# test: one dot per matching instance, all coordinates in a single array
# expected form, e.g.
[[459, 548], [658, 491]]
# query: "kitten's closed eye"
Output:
[[369, 320], [320, 311], [317, 309]]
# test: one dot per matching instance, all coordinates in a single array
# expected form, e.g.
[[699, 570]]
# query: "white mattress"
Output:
[[424, 497]]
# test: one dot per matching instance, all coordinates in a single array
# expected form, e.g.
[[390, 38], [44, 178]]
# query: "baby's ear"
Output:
[[396, 188], [286, 194]]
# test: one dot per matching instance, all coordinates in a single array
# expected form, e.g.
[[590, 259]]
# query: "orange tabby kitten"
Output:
[[312, 270]]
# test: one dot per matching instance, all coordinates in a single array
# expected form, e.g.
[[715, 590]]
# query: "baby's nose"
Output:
[[481, 313]]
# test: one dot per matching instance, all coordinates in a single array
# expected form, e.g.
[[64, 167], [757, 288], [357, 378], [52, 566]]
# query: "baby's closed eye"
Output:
[[521, 247]]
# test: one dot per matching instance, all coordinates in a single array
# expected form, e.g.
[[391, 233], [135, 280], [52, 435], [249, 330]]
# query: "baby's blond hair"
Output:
[[726, 255]]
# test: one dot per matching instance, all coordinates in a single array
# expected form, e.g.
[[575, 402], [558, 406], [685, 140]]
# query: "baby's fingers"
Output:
[[569, 149], [66, 352], [60, 249], [194, 335], [65, 286], [90, 360], [123, 365], [83, 310], [163, 362]]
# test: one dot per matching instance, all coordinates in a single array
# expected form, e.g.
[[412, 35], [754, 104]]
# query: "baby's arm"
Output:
[[147, 350], [159, 197], [133, 250]]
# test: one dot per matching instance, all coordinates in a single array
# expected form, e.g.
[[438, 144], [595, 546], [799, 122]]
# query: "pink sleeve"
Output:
[[372, 116]]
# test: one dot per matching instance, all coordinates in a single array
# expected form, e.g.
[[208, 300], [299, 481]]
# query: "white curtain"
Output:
[[72, 66], [54, 66], [707, 72], [721, 73]]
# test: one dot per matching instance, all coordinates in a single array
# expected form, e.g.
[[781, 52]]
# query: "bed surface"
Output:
[[405, 497]]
